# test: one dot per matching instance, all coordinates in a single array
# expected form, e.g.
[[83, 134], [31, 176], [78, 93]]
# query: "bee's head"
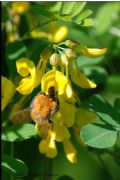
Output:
[[52, 92]]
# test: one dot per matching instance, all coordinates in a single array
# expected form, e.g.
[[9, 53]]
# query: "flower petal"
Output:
[[70, 151], [25, 66], [8, 91], [80, 79], [90, 52], [60, 34], [48, 146], [56, 79], [26, 86], [59, 127], [67, 111]]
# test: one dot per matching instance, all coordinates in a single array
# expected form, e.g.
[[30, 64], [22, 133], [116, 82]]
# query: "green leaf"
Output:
[[14, 166], [65, 177], [57, 7], [106, 15], [18, 132], [77, 8], [88, 22], [103, 109], [5, 16], [15, 50], [67, 7], [113, 83], [41, 10], [83, 15], [98, 136], [84, 61], [96, 73], [117, 105]]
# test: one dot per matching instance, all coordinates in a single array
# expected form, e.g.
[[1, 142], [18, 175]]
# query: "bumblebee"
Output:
[[41, 109]]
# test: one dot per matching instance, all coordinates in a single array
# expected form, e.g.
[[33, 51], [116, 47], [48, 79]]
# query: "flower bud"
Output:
[[70, 53], [60, 34], [64, 59], [70, 43], [54, 58]]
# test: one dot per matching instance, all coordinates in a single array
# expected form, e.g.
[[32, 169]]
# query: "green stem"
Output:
[[54, 68], [104, 165], [12, 155], [67, 73], [48, 170]]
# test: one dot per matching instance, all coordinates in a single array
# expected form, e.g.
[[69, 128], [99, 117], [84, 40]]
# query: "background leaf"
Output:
[[98, 136], [103, 109], [14, 166], [77, 8], [113, 83], [18, 132]]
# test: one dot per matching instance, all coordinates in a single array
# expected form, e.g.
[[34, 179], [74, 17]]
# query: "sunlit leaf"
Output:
[[83, 15], [77, 8], [98, 136], [67, 7], [18, 132], [88, 22], [56, 7]]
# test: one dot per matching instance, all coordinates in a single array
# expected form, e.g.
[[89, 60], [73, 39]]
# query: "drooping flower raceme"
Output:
[[65, 70]]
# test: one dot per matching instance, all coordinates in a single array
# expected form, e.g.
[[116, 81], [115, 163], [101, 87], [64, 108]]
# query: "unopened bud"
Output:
[[64, 59], [70, 43], [70, 53], [54, 58]]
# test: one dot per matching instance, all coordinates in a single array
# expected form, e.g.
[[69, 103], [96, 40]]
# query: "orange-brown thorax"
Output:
[[42, 108]]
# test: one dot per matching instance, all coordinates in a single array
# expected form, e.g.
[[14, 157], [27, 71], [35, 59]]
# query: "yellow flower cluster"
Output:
[[20, 7], [63, 61]]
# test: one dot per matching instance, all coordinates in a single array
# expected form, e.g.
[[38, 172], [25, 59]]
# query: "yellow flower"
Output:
[[79, 78], [56, 79], [32, 75], [24, 68], [40, 34], [8, 91], [67, 112], [20, 7], [59, 128], [70, 151], [90, 52], [56, 34], [48, 146], [60, 34]]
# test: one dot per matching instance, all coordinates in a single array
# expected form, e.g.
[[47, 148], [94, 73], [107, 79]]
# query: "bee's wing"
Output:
[[43, 127], [22, 116]]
